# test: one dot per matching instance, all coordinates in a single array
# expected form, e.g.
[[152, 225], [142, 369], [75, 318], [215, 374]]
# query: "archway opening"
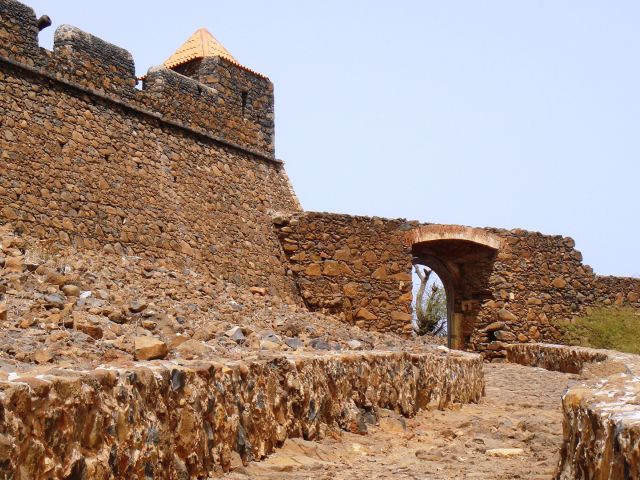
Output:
[[464, 267], [430, 305]]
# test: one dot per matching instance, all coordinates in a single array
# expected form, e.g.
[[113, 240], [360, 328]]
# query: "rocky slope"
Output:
[[80, 309]]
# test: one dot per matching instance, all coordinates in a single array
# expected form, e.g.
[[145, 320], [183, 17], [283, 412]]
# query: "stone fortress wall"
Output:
[[509, 286], [178, 170], [358, 268], [184, 169]]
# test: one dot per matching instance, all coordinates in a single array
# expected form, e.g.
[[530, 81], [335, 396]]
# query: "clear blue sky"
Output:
[[486, 113]]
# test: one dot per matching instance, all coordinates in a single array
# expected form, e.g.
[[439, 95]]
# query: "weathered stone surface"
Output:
[[365, 314], [506, 316], [235, 333], [71, 290], [492, 327], [216, 157], [504, 452], [137, 306], [401, 316], [368, 278], [13, 264], [163, 407], [79, 101]]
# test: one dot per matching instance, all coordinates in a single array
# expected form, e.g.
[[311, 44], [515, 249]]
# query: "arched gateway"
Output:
[[463, 258]]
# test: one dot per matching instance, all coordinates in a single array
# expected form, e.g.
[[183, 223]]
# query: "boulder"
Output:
[[43, 356], [91, 329], [149, 348], [191, 349], [14, 264], [137, 306], [235, 333], [71, 290], [56, 299]]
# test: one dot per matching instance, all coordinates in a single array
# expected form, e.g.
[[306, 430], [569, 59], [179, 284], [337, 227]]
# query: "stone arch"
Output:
[[463, 258], [428, 233]]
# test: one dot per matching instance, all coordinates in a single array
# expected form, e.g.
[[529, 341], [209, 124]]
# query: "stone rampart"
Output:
[[539, 279], [173, 171], [235, 107], [190, 420]]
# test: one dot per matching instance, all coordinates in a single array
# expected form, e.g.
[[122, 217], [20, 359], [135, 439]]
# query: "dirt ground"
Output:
[[521, 413]]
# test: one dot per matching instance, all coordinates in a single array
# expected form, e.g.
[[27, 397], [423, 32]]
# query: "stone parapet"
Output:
[[95, 63], [238, 111], [190, 419], [601, 425], [558, 358]]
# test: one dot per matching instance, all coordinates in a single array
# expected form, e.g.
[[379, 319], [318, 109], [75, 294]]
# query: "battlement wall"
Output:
[[235, 107], [89, 160]]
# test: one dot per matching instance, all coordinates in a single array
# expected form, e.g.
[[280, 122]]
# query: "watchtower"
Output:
[[243, 96]]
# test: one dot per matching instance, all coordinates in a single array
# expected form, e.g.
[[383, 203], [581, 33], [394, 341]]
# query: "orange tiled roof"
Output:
[[199, 45]]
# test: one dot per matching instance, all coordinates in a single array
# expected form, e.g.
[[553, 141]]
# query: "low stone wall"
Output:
[[601, 417], [169, 420], [558, 358]]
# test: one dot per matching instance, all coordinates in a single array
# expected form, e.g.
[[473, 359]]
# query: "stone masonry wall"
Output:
[[213, 109], [244, 96], [89, 160], [358, 268], [196, 419], [538, 279]]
